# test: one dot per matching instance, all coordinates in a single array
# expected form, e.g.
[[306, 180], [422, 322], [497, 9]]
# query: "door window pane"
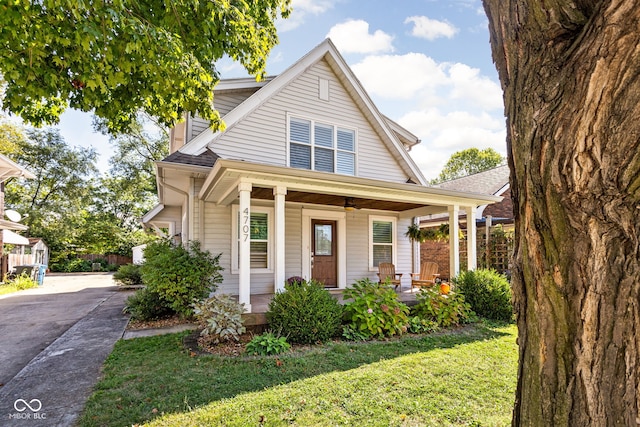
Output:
[[323, 238]]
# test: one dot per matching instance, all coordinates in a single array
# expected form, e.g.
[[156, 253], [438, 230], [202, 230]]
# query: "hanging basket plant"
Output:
[[417, 234]]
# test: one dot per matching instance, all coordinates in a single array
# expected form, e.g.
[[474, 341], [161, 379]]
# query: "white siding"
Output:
[[405, 253], [261, 136], [358, 248], [228, 100], [223, 102], [217, 240], [293, 241], [197, 126]]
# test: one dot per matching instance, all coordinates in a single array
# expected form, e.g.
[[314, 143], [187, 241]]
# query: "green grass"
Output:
[[464, 377]]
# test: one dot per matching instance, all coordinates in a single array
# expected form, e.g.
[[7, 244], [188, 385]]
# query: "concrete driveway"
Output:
[[53, 340]]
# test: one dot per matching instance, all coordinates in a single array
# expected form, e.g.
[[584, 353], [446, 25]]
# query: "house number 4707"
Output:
[[245, 224]]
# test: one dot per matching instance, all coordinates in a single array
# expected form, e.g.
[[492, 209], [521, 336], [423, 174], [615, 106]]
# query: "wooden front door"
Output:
[[324, 257]]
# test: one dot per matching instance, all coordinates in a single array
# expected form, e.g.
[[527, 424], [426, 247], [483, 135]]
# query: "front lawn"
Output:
[[462, 377]]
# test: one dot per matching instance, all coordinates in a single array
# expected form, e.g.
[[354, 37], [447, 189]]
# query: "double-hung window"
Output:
[[260, 229], [382, 241], [321, 147]]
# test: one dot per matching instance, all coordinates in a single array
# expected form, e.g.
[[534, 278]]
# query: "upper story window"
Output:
[[321, 147]]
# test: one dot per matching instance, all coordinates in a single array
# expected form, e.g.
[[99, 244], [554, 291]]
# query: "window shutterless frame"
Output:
[[320, 146]]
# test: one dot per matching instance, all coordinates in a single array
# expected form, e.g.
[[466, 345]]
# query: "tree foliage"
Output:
[[467, 162], [72, 208], [119, 57], [54, 202]]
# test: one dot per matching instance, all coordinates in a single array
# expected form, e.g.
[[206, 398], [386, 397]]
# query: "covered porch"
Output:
[[245, 186]]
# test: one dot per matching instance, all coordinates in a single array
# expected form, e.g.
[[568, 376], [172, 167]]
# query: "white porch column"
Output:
[[472, 249], [279, 194], [454, 244], [416, 249], [244, 261]]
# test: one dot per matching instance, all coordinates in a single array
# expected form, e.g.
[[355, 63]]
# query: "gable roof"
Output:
[[325, 50], [493, 181]]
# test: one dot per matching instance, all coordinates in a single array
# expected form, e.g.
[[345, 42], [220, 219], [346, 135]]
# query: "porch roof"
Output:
[[306, 186]]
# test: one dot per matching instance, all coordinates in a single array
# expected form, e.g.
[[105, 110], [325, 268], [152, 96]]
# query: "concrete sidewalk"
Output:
[[51, 390]]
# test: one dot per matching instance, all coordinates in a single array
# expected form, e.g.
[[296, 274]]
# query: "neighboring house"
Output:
[[308, 179], [9, 169], [491, 182]]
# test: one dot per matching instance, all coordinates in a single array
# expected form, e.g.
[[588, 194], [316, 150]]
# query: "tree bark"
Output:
[[570, 71]]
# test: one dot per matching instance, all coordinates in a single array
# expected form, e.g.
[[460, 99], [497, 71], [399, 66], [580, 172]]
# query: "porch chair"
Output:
[[387, 271], [426, 277]]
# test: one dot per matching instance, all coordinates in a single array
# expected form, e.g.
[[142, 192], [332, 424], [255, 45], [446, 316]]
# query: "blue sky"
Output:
[[425, 63]]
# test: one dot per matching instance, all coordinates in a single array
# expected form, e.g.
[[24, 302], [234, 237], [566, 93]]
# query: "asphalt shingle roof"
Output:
[[487, 182], [208, 158]]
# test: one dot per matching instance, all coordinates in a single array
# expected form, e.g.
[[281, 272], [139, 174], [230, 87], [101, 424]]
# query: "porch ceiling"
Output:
[[334, 200], [221, 187]]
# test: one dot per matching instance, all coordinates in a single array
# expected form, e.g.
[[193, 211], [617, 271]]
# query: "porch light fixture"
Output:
[[349, 204]]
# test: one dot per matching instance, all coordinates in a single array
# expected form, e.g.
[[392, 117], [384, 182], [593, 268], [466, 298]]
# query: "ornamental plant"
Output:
[[267, 344], [443, 310], [374, 310], [128, 275], [220, 318], [488, 292], [305, 313], [179, 274]]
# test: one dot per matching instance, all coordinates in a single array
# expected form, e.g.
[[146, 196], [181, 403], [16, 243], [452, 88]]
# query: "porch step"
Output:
[[255, 322]]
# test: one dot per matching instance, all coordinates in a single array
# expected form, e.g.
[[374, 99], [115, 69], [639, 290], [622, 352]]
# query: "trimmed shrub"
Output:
[[305, 313], [375, 311], [220, 318], [146, 304], [267, 344], [488, 293], [443, 310], [180, 275], [128, 275]]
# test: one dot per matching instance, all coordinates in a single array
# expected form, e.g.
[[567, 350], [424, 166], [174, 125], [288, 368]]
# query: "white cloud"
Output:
[[468, 84], [430, 29], [416, 75], [450, 107], [443, 134], [399, 76], [301, 9], [353, 36]]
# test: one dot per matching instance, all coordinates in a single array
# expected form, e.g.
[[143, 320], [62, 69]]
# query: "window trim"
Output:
[[312, 145], [235, 238], [394, 238]]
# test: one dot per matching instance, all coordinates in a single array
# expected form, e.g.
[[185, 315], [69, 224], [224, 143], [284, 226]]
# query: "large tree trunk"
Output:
[[570, 71]]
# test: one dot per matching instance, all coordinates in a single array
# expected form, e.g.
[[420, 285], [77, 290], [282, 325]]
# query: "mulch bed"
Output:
[[158, 323]]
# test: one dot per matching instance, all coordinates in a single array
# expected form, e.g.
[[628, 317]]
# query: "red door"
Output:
[[324, 257]]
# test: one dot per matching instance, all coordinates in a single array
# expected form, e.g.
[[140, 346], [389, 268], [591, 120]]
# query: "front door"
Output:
[[324, 257]]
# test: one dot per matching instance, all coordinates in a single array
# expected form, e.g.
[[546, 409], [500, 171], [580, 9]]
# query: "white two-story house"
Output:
[[308, 179]]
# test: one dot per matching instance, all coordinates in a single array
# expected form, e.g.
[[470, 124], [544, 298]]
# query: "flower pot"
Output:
[[445, 288]]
